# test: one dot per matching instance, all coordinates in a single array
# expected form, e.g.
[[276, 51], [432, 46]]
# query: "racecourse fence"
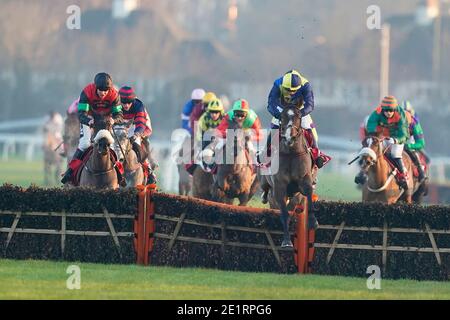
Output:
[[147, 227]]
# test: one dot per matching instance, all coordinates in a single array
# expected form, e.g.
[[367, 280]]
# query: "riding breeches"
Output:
[[85, 137], [307, 123], [396, 150]]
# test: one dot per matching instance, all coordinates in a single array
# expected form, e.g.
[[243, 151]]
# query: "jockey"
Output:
[[97, 98], [391, 121], [292, 89], [134, 111], [209, 120], [416, 142], [240, 113], [199, 109], [408, 107], [196, 99]]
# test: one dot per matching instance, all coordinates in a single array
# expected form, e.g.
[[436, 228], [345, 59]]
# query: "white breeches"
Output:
[[396, 150], [85, 137]]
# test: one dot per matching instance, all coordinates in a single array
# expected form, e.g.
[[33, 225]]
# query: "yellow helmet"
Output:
[[292, 81], [215, 105], [208, 97]]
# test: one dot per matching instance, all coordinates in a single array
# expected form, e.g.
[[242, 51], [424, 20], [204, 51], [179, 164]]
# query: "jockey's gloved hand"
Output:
[[118, 118], [134, 137], [392, 140], [85, 119]]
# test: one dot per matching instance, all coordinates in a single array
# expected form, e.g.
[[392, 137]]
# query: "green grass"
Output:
[[32, 279], [329, 187]]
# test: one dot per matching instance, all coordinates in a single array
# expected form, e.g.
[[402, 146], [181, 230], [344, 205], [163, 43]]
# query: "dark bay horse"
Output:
[[237, 179], [294, 177], [99, 171]]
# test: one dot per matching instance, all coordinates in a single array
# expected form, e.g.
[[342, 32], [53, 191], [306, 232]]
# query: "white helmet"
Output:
[[198, 94]]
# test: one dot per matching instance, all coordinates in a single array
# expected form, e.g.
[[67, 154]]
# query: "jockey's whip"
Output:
[[357, 157], [59, 145]]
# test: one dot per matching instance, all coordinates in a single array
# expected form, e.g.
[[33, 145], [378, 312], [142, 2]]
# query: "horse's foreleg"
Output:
[[307, 190], [280, 198]]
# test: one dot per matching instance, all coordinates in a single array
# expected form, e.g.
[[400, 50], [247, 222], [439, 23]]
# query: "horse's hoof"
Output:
[[264, 198], [286, 244], [313, 224]]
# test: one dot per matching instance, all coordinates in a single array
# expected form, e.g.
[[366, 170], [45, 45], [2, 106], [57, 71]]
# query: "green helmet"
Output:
[[241, 105]]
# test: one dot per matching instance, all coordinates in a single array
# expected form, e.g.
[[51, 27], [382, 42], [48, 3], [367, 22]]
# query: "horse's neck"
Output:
[[378, 173], [131, 158], [99, 161], [299, 146]]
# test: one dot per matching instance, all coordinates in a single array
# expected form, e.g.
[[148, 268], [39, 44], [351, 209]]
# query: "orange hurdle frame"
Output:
[[144, 224], [304, 238]]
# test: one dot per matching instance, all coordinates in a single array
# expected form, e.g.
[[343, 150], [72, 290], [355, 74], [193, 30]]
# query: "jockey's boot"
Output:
[[415, 158], [190, 168], [267, 149], [138, 151], [151, 179], [402, 176], [320, 159], [72, 166]]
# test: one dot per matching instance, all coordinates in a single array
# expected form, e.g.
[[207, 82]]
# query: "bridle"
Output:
[[293, 138], [374, 161], [101, 172], [127, 149]]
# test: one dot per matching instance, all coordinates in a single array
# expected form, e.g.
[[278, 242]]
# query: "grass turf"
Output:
[[330, 186], [32, 279]]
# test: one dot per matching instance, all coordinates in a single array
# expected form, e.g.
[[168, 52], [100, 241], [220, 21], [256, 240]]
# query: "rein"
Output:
[[388, 180]]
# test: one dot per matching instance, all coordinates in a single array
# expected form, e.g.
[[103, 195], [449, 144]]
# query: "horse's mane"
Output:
[[104, 134]]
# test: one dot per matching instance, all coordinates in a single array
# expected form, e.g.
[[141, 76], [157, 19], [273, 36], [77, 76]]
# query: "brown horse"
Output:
[[184, 180], [294, 177], [134, 173], [236, 179], [52, 159], [381, 185], [71, 135], [99, 171]]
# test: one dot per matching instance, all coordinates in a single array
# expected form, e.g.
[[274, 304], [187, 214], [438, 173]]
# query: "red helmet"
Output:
[[127, 94]]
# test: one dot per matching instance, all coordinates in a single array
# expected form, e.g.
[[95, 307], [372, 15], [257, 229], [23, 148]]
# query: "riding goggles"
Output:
[[240, 114]]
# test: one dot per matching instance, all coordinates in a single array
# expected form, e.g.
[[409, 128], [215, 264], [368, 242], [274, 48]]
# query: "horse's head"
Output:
[[103, 139], [290, 125], [102, 123], [370, 153], [121, 137]]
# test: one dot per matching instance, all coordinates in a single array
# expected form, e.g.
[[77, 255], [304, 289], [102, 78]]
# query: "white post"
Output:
[[384, 65]]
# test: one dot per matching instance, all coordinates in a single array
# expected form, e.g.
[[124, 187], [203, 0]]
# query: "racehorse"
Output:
[[99, 171], [238, 179], [71, 135], [202, 182], [184, 179], [134, 173], [52, 159], [381, 185], [295, 172]]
